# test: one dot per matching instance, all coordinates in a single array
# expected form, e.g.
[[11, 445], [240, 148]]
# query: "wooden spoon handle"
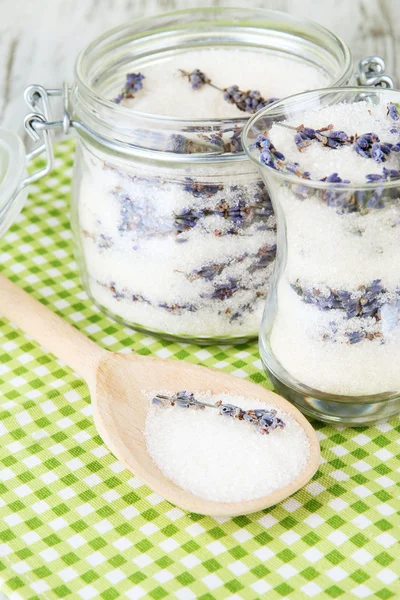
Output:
[[57, 336]]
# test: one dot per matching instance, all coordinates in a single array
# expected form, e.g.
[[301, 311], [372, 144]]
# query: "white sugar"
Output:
[[220, 458], [166, 92]]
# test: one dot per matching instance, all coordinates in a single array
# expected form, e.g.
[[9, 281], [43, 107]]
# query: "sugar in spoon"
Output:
[[116, 384]]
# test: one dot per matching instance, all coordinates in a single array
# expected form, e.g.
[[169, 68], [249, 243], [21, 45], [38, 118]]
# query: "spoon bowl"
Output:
[[119, 384]]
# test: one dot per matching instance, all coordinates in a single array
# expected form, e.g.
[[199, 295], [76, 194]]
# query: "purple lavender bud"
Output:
[[391, 173], [134, 83], [197, 79], [363, 145], [373, 177], [227, 410], [261, 142], [334, 178], [158, 401], [222, 291], [339, 136], [236, 142], [308, 133], [278, 155], [392, 111], [386, 148], [250, 101], [377, 153], [332, 143], [292, 167], [267, 159], [354, 337]]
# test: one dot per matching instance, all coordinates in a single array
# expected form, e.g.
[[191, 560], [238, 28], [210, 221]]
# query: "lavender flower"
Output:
[[235, 141], [201, 190], [392, 111], [363, 144], [264, 257], [265, 420], [380, 152], [268, 153], [239, 214], [354, 337], [386, 175], [196, 78], [260, 260], [334, 178], [332, 139], [250, 101], [368, 145], [208, 272], [134, 83], [215, 138], [187, 219], [366, 302], [222, 291]]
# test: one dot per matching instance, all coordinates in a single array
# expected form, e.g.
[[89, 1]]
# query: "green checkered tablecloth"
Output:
[[75, 524]]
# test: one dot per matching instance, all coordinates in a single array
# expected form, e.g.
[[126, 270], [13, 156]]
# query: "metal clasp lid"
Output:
[[371, 71]]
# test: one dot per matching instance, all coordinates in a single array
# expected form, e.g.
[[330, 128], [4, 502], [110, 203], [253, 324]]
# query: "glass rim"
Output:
[[247, 142], [93, 46]]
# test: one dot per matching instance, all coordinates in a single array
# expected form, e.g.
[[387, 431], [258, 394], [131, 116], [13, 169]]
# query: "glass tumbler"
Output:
[[330, 335]]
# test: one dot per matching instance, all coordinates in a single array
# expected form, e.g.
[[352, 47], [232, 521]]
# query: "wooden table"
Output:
[[39, 40]]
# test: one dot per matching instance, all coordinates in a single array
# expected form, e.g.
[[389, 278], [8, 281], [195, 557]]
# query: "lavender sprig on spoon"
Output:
[[265, 420]]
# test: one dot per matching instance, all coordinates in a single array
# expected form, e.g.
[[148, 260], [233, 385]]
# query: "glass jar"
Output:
[[173, 228], [330, 336], [175, 235]]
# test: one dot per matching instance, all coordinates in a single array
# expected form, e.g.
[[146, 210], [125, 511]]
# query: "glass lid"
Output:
[[12, 174]]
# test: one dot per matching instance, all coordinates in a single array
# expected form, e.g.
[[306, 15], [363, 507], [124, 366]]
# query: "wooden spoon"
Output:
[[116, 383]]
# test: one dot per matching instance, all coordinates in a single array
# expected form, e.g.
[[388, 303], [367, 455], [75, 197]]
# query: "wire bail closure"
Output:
[[371, 72]]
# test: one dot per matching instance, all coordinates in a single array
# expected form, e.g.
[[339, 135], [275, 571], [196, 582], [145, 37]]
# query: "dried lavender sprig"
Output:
[[247, 101], [265, 420], [260, 260], [366, 145], [365, 302], [134, 83], [269, 155], [386, 175], [197, 79], [239, 214], [326, 135]]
